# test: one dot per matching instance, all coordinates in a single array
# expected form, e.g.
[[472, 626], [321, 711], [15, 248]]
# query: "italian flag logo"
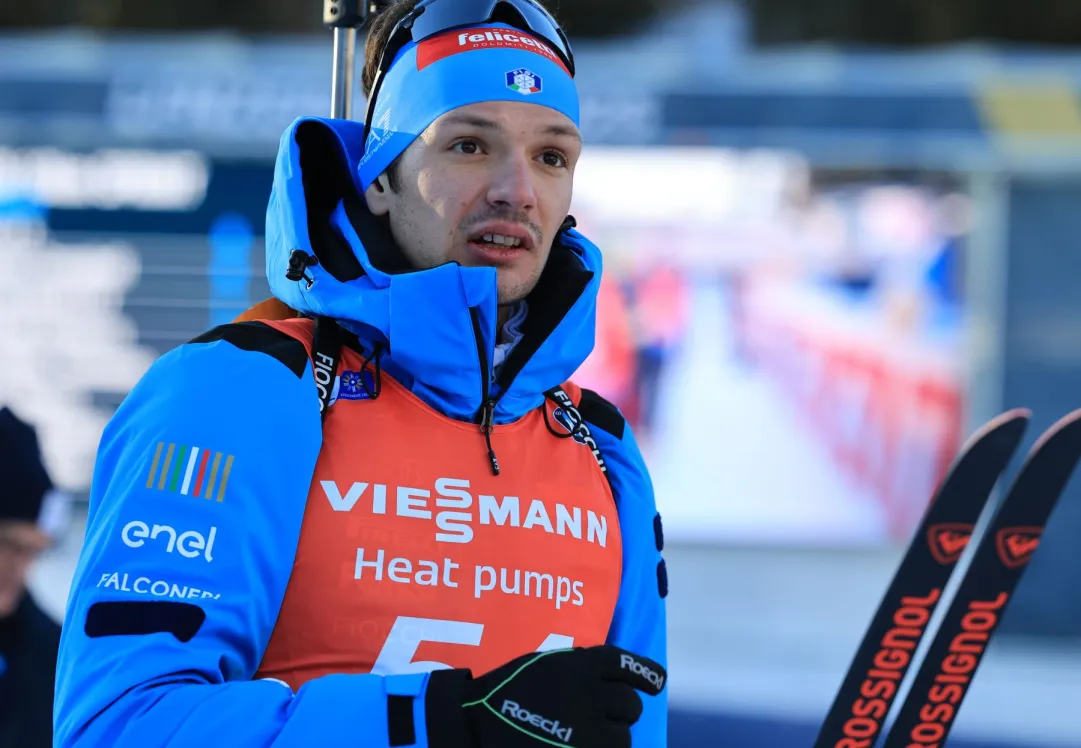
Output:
[[524, 81]]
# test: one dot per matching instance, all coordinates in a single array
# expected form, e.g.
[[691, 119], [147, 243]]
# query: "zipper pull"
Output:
[[487, 424]]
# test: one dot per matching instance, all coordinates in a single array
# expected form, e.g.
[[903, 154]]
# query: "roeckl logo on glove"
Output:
[[629, 663], [524, 715]]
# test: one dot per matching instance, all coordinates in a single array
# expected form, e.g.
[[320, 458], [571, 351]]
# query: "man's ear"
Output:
[[376, 196]]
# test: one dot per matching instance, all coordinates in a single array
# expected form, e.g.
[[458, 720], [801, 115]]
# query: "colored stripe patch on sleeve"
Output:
[[184, 470]]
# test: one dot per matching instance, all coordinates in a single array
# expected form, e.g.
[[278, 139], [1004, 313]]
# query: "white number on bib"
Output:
[[408, 633]]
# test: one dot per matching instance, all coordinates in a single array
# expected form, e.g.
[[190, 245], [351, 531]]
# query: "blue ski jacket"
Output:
[[203, 478]]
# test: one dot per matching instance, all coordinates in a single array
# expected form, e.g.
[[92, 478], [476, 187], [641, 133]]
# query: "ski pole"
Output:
[[346, 18]]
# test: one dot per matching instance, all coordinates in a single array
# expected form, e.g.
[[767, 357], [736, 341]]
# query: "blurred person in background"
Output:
[[659, 300], [610, 368], [375, 512], [30, 519]]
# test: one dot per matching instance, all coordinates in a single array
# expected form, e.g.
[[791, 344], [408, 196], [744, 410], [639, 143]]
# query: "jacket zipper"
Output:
[[485, 417]]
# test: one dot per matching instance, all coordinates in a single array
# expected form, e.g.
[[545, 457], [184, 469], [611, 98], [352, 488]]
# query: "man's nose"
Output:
[[512, 184]]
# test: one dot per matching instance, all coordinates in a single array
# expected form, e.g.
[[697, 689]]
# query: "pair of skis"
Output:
[[996, 564]]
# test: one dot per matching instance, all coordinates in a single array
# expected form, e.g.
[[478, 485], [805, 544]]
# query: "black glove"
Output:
[[581, 698]]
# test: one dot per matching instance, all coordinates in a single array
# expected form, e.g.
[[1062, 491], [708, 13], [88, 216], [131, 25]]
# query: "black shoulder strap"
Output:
[[326, 354], [579, 428], [606, 417]]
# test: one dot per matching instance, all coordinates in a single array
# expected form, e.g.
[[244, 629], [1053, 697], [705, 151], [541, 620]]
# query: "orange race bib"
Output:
[[414, 557]]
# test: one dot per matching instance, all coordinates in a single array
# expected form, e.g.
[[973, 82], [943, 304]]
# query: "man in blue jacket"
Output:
[[375, 512]]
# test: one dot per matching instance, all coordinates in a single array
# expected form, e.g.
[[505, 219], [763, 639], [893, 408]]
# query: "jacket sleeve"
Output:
[[195, 511], [639, 624]]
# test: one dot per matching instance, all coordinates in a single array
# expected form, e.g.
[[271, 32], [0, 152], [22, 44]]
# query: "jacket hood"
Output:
[[434, 328]]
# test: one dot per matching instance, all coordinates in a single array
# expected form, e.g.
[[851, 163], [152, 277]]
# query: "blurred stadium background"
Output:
[[839, 235]]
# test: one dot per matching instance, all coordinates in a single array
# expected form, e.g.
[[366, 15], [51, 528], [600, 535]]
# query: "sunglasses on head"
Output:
[[432, 17]]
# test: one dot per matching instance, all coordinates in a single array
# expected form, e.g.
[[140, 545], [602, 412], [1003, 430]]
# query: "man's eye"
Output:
[[467, 146], [554, 159]]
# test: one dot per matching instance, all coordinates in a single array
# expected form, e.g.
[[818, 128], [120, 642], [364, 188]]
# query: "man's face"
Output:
[[487, 184], [20, 544]]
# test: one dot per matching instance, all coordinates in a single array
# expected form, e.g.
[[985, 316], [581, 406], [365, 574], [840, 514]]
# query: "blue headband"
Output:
[[448, 71]]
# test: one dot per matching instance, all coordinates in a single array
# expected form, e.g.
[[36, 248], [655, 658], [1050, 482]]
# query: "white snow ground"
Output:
[[730, 466]]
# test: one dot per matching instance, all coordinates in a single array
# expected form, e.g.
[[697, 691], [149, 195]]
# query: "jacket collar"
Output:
[[437, 327]]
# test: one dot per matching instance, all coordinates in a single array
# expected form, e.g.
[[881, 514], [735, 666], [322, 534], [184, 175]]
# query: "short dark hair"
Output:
[[378, 37]]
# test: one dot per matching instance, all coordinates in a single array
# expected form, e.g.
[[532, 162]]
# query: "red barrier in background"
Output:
[[885, 405]]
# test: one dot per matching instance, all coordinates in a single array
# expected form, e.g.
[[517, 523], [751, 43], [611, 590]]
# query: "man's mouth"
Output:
[[499, 241], [502, 236]]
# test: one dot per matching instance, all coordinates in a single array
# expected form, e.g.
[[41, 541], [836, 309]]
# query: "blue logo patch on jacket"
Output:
[[354, 385]]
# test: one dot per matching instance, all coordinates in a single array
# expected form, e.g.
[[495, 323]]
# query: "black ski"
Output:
[[998, 562], [871, 684]]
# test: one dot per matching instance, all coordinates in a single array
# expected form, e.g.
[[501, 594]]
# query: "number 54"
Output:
[[407, 634]]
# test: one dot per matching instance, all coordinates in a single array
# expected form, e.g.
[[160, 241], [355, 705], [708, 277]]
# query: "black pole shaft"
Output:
[[345, 18]]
